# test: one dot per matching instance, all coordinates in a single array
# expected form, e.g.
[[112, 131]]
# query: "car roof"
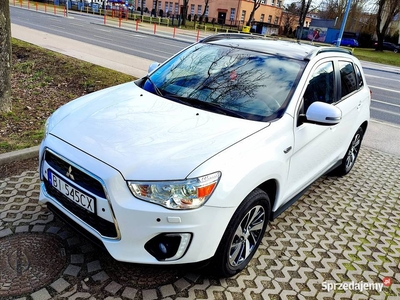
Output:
[[290, 49]]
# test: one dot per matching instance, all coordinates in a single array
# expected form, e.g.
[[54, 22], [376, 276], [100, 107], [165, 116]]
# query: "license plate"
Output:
[[72, 193]]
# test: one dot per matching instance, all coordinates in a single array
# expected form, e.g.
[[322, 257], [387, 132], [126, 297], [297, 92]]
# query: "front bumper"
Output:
[[125, 225]]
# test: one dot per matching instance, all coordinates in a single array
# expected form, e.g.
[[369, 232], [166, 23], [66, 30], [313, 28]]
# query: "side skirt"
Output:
[[337, 164], [284, 207]]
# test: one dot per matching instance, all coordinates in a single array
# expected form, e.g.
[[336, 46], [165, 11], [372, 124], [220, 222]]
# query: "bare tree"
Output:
[[359, 18], [5, 57], [368, 24], [332, 9], [304, 9], [205, 9], [155, 7], [387, 10], [291, 12], [184, 12], [256, 5]]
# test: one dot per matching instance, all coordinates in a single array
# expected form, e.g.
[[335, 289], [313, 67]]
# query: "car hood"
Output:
[[143, 136]]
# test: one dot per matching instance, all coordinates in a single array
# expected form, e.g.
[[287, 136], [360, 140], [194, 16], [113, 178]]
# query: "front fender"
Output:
[[251, 162]]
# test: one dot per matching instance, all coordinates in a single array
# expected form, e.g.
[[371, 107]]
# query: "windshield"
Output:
[[248, 84]]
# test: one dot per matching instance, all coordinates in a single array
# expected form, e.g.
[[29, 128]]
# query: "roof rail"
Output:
[[325, 50], [223, 36]]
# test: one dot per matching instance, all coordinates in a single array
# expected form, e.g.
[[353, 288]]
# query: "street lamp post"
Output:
[[66, 10], [339, 40]]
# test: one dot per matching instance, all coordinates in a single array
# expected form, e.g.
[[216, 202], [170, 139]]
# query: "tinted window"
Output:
[[256, 85], [321, 86], [347, 77], [359, 77]]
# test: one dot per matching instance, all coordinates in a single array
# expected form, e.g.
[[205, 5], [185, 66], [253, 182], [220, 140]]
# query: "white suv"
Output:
[[191, 162]]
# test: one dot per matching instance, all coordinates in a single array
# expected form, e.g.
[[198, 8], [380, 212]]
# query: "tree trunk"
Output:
[[155, 8], [305, 7], [204, 11], [379, 33], [184, 12], [250, 18], [387, 10], [256, 5], [5, 57]]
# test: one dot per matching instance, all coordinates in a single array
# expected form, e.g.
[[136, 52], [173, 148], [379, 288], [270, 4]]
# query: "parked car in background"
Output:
[[189, 163], [388, 46], [347, 42]]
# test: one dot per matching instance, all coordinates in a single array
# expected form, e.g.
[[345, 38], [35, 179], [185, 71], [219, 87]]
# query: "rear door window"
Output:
[[360, 81], [348, 78]]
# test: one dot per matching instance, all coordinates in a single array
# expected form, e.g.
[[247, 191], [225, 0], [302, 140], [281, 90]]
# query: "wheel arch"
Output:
[[271, 188], [364, 126]]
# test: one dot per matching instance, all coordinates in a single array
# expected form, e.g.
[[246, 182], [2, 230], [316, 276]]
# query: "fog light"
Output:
[[163, 248], [168, 246]]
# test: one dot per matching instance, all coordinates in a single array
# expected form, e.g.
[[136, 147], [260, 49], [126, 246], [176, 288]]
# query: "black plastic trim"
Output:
[[76, 227]]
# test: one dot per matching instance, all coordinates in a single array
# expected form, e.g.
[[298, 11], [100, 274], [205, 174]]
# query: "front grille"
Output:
[[82, 179], [86, 182]]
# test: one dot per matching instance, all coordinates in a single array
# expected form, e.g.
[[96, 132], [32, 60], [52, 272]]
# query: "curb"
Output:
[[9, 157]]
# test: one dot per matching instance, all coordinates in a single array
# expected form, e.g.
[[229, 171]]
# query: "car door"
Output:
[[313, 147], [351, 97]]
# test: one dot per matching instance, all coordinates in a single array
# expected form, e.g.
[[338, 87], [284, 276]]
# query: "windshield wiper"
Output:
[[158, 91], [210, 106]]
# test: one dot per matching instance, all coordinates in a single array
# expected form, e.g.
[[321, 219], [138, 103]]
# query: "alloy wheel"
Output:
[[247, 235], [353, 151]]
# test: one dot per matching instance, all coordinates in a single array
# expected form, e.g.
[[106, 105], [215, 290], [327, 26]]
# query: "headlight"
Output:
[[46, 126], [185, 194]]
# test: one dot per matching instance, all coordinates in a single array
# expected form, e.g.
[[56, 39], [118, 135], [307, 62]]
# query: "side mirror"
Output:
[[152, 67], [323, 114]]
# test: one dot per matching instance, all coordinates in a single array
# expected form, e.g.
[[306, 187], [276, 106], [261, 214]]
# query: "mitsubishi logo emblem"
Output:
[[69, 173]]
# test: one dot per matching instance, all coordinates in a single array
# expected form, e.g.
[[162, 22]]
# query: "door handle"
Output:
[[287, 150]]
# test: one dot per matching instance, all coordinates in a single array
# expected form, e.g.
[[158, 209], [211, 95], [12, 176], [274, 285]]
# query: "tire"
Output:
[[350, 157], [243, 235]]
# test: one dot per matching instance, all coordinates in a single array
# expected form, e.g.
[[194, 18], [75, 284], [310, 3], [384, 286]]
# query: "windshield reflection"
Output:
[[255, 84]]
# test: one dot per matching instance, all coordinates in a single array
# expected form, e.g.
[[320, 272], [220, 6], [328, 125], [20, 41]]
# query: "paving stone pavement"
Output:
[[343, 234]]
